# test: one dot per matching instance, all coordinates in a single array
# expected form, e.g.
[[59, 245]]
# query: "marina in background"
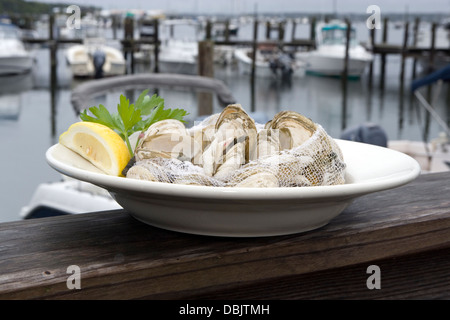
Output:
[[36, 107]]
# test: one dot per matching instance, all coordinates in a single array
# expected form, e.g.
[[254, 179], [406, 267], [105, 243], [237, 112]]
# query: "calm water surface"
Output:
[[27, 117]]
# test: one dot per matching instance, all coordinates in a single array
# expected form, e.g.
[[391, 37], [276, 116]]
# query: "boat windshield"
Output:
[[9, 32], [332, 36]]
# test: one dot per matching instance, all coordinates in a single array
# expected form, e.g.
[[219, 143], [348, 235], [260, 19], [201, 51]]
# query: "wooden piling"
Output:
[[383, 55], [114, 22], [402, 74], [281, 27], [432, 47], [205, 68], [227, 30], [128, 47], [156, 46], [344, 77], [312, 30], [430, 86], [294, 27], [447, 100], [208, 30], [53, 72], [415, 39], [268, 29], [372, 45], [253, 70]]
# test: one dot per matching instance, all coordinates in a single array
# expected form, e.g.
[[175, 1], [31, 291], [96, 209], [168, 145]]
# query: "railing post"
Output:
[[205, 66]]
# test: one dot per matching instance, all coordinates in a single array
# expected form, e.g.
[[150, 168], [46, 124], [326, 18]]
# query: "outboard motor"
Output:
[[99, 58], [273, 65], [366, 133], [285, 64]]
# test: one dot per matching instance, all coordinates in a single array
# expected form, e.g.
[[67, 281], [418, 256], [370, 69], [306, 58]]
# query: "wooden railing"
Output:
[[398, 237]]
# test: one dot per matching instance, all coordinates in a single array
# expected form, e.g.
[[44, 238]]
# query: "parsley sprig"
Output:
[[131, 118]]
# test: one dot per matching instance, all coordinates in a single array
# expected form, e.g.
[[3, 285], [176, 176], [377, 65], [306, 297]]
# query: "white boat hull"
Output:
[[329, 57], [178, 56], [262, 68], [15, 64], [69, 197], [326, 63], [81, 63], [14, 58]]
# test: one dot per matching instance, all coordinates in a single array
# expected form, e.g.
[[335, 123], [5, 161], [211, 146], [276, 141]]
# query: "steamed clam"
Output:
[[230, 149], [233, 145], [254, 176], [166, 139], [293, 128]]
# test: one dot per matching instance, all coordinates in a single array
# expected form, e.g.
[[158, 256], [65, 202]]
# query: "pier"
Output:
[[275, 35]]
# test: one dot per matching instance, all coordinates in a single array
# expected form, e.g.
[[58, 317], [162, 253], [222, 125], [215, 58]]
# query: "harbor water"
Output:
[[31, 121]]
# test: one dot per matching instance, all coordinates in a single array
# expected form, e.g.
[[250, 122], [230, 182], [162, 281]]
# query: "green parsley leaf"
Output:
[[128, 118]]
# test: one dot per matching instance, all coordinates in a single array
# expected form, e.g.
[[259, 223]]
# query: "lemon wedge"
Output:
[[98, 144]]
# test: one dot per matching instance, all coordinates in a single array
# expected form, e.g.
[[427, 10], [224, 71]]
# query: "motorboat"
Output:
[[178, 56], [270, 61], [14, 58], [94, 58], [67, 196], [329, 56]]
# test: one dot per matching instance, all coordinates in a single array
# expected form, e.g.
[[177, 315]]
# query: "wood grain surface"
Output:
[[406, 231]]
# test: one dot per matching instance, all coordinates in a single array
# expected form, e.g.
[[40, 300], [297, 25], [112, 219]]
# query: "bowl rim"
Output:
[[347, 190]]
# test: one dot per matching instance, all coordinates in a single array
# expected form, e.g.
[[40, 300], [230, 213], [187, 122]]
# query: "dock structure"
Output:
[[130, 44]]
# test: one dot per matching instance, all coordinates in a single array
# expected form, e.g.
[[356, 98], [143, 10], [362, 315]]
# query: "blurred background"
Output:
[[324, 59]]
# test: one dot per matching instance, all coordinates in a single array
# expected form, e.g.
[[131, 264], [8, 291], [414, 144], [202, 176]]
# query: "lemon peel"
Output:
[[98, 144]]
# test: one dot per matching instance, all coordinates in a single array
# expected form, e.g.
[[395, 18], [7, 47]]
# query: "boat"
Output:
[[178, 56], [14, 58], [270, 61], [68, 196], [329, 56], [94, 58]]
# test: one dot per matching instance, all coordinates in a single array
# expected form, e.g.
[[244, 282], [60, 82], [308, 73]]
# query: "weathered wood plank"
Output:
[[121, 258], [399, 279]]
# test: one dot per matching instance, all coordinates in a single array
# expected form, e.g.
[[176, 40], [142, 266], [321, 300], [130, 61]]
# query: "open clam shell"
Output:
[[227, 149]]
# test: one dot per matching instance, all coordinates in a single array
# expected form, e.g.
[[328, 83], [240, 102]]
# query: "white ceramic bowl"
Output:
[[246, 212]]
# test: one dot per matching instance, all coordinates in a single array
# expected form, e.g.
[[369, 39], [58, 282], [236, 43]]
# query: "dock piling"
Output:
[[253, 71], [205, 68], [345, 75], [53, 46], [372, 46], [415, 39], [156, 46], [402, 74], [383, 55]]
